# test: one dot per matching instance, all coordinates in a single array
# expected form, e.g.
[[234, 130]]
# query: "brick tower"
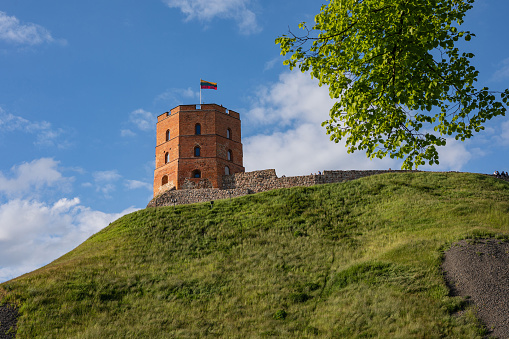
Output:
[[196, 146]]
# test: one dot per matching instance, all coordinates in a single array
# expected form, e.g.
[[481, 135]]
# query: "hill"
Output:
[[356, 259]]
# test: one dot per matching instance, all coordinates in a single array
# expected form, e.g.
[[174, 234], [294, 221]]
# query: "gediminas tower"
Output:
[[196, 145]]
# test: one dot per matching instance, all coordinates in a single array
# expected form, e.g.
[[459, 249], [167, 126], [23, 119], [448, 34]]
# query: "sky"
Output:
[[81, 85]]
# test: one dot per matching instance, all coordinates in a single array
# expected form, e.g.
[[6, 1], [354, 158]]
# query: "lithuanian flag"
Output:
[[208, 85]]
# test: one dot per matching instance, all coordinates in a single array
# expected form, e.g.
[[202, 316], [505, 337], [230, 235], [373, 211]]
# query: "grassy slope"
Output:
[[360, 258]]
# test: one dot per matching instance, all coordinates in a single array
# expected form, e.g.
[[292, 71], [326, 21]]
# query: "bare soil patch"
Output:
[[8, 320], [479, 270]]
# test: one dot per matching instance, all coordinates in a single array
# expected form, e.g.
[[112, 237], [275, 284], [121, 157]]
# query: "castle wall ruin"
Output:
[[240, 184]]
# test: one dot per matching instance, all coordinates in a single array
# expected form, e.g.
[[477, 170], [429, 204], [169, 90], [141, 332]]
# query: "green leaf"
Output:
[[389, 77]]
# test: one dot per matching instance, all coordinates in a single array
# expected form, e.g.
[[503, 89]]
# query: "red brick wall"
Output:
[[170, 123], [214, 145], [171, 171]]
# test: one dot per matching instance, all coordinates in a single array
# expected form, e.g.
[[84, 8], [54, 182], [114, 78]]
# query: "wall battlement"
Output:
[[240, 184]]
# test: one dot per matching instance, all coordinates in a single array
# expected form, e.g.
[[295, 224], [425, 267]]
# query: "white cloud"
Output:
[[127, 133], [141, 120], [453, 156], [175, 95], [493, 140], [271, 63], [135, 184], [503, 72], [294, 143], [46, 135], [295, 98], [104, 181], [33, 233], [504, 134], [303, 150], [290, 113], [11, 30], [102, 176], [206, 10], [29, 178]]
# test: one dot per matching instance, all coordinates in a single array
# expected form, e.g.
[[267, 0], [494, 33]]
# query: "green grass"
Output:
[[356, 259]]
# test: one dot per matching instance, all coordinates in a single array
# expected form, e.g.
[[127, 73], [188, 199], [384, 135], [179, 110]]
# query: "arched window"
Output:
[[166, 157], [227, 170], [228, 133], [165, 180], [197, 151], [197, 129], [196, 174], [167, 135], [230, 156]]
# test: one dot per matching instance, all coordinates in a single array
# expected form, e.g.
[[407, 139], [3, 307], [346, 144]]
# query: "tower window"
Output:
[[196, 174], [164, 181], [166, 157], [167, 135], [230, 157], [197, 129], [197, 151], [227, 170], [228, 133]]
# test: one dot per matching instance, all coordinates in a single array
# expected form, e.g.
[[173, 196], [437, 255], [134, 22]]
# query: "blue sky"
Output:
[[81, 84]]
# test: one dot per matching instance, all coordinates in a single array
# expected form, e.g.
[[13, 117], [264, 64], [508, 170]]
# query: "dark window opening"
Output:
[[166, 157], [196, 174], [230, 157], [165, 180], [197, 151], [197, 129], [167, 135], [228, 133], [227, 170]]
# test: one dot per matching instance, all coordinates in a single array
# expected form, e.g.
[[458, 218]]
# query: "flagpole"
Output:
[[200, 93]]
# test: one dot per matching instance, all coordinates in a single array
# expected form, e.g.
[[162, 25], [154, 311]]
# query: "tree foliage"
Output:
[[402, 84]]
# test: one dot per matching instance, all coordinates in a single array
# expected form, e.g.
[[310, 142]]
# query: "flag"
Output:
[[208, 85]]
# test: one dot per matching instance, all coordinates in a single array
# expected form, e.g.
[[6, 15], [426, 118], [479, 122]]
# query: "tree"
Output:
[[401, 83]]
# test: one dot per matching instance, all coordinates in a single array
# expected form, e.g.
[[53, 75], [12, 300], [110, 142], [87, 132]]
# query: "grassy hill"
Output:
[[355, 259]]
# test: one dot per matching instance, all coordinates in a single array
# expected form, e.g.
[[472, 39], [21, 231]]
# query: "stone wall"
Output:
[[196, 183], [265, 180], [240, 184], [190, 196]]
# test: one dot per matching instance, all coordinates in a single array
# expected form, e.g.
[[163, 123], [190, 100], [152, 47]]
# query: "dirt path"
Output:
[[8, 319], [480, 270]]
